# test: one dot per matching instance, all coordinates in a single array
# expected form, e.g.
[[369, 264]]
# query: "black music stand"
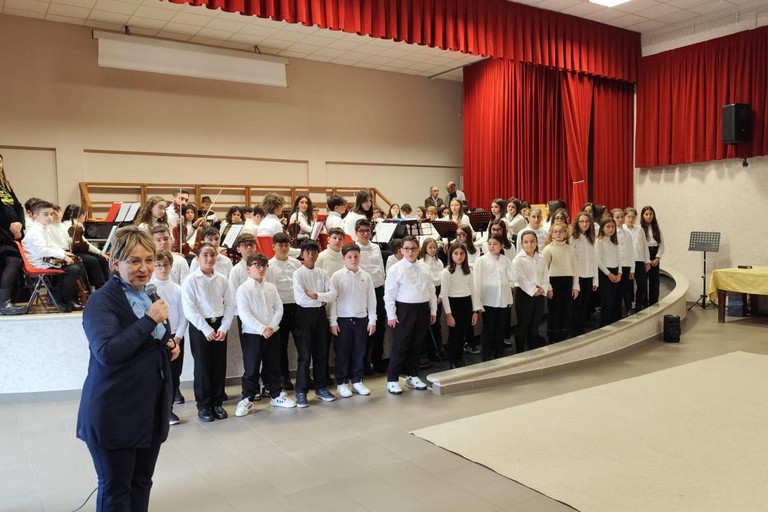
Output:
[[445, 228], [480, 220], [409, 224], [704, 241]]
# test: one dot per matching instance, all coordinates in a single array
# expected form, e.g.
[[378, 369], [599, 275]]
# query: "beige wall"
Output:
[[333, 125], [712, 196]]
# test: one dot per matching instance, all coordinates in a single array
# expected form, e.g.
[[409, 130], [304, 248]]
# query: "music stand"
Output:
[[480, 220], [409, 224], [445, 228], [704, 241]]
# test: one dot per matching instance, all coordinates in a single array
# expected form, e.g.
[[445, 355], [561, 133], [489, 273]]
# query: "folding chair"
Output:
[[265, 243], [38, 279]]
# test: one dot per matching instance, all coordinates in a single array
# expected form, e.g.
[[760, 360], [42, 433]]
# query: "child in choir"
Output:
[[394, 212], [252, 220], [260, 310], [551, 209], [273, 207], [433, 340], [162, 237], [626, 259], [421, 213], [209, 305], [352, 317], [170, 292], [152, 214], [583, 243], [212, 237], [561, 216], [406, 211], [245, 245], [650, 226], [411, 306], [431, 213], [461, 303], [234, 216], [515, 219], [498, 227], [363, 210], [303, 216], [494, 278], [43, 253], [534, 224], [564, 281], [395, 245], [642, 258], [532, 290], [312, 291], [337, 206], [372, 262], [280, 273], [456, 214], [464, 236], [607, 252], [331, 259]]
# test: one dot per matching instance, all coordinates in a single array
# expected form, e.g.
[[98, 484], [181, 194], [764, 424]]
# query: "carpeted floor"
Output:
[[689, 438]]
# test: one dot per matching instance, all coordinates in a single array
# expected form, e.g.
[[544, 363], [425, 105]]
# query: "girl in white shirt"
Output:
[[433, 342], [650, 226], [607, 251], [461, 302], [583, 242], [302, 217], [642, 258], [530, 295], [626, 259], [151, 214], [363, 210], [456, 214], [464, 236], [494, 278], [534, 224], [515, 219]]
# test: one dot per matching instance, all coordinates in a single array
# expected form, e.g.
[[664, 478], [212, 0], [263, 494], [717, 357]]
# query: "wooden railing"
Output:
[[97, 197]]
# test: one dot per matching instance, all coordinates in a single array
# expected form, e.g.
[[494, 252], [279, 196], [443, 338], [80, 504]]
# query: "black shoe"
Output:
[[206, 414], [220, 413], [265, 391], [8, 308], [75, 306], [178, 398], [173, 420], [286, 383]]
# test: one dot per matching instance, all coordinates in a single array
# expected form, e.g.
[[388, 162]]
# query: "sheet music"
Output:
[[233, 231], [120, 217], [384, 232], [316, 229], [133, 211]]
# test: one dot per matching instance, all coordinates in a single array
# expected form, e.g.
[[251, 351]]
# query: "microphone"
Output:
[[151, 290]]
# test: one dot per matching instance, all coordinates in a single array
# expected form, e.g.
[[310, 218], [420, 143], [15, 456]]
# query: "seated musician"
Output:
[[187, 232], [95, 263], [43, 253]]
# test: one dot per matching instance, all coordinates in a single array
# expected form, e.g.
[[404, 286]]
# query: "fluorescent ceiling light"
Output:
[[138, 53], [608, 3]]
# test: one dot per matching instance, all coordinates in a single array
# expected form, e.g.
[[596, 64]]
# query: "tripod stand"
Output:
[[704, 241]]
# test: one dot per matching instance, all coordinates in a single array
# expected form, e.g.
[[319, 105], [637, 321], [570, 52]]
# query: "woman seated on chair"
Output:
[[11, 230]]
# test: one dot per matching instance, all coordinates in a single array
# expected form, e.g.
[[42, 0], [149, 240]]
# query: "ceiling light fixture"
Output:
[[608, 3]]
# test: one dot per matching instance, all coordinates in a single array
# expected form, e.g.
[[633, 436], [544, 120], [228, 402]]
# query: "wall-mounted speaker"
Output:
[[737, 123]]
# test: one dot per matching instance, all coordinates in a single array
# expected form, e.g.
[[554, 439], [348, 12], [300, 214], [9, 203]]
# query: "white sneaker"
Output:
[[361, 389], [416, 383], [394, 388], [243, 407], [282, 401], [343, 390]]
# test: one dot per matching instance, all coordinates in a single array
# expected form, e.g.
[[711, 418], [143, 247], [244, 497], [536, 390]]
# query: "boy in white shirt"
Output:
[[162, 237], [353, 318], [280, 273], [311, 290], [170, 292], [223, 265], [245, 245], [411, 304], [209, 305], [260, 310], [372, 262], [42, 252], [337, 206], [331, 259]]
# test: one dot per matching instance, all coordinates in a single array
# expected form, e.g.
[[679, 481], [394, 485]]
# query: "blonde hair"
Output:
[[125, 241]]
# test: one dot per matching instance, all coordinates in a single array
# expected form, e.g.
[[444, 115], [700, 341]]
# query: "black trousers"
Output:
[[64, 284], [287, 326], [641, 281], [351, 345], [261, 358], [560, 308], [11, 265], [124, 477], [177, 365], [433, 340], [311, 337], [653, 279], [627, 286], [407, 339], [210, 367], [610, 299], [581, 306], [461, 309], [375, 351], [530, 311], [495, 322], [96, 268]]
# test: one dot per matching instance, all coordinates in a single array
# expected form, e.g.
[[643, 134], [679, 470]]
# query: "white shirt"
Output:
[[532, 273], [58, 235], [410, 283], [270, 225], [38, 245], [626, 247], [170, 292], [280, 273], [372, 262], [223, 265], [586, 259], [259, 306], [515, 224], [180, 269], [607, 255], [312, 280], [305, 226], [652, 242], [207, 297], [391, 261], [250, 227], [349, 224], [173, 217], [541, 237], [494, 278], [639, 243], [355, 296], [458, 285], [435, 268], [334, 220], [330, 261]]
